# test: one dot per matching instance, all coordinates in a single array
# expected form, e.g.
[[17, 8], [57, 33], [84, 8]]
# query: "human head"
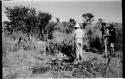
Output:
[[111, 26]]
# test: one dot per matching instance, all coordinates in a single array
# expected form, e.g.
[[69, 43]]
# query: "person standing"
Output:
[[104, 37], [103, 29], [78, 35], [112, 39]]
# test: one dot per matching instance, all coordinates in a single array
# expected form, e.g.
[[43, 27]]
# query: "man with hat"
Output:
[[78, 35]]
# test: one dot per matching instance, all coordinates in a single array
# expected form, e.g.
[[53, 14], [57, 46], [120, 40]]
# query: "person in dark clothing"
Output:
[[103, 29], [112, 39], [103, 25], [103, 39]]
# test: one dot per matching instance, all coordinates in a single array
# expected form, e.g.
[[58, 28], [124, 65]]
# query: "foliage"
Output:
[[43, 20], [50, 28], [92, 68], [72, 21], [94, 37], [88, 17], [61, 42], [17, 16], [68, 27], [6, 27], [118, 44], [27, 20]]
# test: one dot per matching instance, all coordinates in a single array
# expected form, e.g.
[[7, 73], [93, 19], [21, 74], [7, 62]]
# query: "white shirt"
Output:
[[79, 33]]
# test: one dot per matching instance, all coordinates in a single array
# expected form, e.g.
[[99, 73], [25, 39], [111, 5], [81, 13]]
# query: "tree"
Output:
[[100, 20], [43, 20], [27, 20], [50, 28], [5, 26], [18, 15], [88, 18], [66, 27], [72, 21]]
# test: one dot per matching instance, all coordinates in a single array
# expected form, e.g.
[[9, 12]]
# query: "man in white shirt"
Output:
[[79, 34]]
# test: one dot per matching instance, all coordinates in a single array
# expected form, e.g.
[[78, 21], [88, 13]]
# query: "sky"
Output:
[[108, 10]]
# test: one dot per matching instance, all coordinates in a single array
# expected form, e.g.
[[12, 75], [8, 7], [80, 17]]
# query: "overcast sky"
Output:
[[110, 11]]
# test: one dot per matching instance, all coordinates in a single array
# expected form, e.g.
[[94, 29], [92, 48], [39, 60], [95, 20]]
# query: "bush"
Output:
[[26, 20], [61, 42], [94, 37], [118, 38]]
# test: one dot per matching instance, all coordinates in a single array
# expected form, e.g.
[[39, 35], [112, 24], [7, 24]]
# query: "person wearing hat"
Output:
[[78, 35]]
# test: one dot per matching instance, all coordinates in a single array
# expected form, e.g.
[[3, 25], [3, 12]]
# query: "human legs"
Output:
[[79, 49], [106, 50], [112, 49]]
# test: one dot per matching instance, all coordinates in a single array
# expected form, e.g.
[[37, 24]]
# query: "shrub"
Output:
[[27, 20], [118, 45], [61, 42], [94, 37]]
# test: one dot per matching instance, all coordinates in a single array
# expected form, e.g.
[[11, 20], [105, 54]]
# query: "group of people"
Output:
[[108, 39]]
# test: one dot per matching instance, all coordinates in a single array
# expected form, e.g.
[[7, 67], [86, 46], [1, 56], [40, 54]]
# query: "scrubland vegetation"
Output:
[[33, 46]]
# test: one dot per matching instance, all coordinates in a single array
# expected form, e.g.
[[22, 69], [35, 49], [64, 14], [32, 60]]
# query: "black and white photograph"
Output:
[[62, 39]]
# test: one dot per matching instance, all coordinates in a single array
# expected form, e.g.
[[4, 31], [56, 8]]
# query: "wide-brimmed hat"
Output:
[[77, 25]]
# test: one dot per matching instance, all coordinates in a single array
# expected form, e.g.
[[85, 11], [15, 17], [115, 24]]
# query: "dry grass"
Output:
[[29, 59]]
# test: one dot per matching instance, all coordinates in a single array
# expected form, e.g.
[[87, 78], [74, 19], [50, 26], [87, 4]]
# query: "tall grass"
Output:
[[62, 41], [94, 36], [92, 40]]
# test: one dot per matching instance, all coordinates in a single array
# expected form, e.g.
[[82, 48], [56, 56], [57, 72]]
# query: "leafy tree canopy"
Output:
[[88, 17], [27, 20]]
